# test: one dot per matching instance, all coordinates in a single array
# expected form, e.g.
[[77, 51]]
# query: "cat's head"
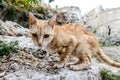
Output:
[[42, 31]]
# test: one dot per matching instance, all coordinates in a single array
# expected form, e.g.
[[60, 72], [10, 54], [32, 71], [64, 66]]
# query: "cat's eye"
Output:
[[46, 36], [34, 35]]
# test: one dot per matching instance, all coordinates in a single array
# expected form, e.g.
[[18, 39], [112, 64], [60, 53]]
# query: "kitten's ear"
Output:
[[52, 21], [32, 19]]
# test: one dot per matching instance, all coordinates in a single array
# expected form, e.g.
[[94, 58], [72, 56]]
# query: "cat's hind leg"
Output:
[[83, 63]]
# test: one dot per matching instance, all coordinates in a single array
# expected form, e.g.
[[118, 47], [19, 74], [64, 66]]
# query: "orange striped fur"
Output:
[[66, 40]]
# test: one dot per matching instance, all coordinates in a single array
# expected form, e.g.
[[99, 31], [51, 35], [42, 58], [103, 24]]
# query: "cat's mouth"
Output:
[[41, 45]]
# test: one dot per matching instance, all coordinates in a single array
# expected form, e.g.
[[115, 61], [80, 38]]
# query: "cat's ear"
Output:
[[32, 19], [52, 21]]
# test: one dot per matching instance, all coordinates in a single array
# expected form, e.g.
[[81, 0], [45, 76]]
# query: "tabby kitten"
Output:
[[66, 40]]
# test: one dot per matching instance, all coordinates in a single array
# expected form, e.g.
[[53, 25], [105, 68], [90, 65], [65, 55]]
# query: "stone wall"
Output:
[[106, 21]]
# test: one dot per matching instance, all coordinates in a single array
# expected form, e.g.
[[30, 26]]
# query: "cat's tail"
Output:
[[106, 59]]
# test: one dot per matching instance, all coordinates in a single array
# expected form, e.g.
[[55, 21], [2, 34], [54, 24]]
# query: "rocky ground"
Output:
[[31, 63], [23, 65]]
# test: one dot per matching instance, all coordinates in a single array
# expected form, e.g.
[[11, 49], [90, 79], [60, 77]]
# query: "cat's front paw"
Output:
[[75, 67], [59, 65]]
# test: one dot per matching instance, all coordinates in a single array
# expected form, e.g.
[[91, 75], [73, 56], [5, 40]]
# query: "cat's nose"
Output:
[[39, 45]]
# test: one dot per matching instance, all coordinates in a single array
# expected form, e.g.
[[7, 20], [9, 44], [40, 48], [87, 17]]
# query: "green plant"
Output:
[[7, 48], [26, 6], [25, 3], [108, 75], [102, 43], [95, 30], [0, 1], [51, 1]]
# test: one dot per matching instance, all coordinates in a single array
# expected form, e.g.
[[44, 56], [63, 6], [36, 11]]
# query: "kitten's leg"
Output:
[[62, 62], [65, 53], [64, 56], [72, 61], [83, 52], [84, 63]]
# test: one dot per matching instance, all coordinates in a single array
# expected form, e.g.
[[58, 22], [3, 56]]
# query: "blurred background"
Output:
[[20, 59]]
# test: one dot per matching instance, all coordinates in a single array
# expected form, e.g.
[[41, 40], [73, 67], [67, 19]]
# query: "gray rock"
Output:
[[72, 14], [106, 23], [14, 67], [12, 29], [63, 74]]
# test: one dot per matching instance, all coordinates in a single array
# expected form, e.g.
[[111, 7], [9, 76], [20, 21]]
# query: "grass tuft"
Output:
[[7, 48], [108, 75]]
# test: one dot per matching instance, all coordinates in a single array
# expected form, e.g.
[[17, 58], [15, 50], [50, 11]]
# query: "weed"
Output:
[[108, 75], [95, 30], [7, 48]]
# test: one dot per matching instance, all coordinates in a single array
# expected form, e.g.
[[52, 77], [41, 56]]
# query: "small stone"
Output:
[[2, 74], [14, 66], [20, 61], [4, 59], [2, 71]]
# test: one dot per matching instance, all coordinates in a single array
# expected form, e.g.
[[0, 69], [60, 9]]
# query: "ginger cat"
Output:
[[69, 39]]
